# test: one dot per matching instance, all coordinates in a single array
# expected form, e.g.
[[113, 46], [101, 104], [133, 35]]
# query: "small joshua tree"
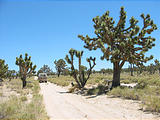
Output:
[[60, 66], [141, 69], [151, 68], [103, 71], [3, 69], [11, 74], [131, 68], [45, 69], [81, 75], [120, 44], [157, 65], [25, 67]]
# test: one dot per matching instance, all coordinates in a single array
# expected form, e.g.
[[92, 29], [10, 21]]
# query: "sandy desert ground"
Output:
[[61, 105]]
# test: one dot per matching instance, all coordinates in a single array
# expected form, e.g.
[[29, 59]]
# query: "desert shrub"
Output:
[[151, 103], [23, 98], [125, 81], [61, 80], [126, 93], [16, 107], [100, 89], [141, 84], [9, 108], [152, 90], [72, 89], [29, 85], [149, 95], [155, 81]]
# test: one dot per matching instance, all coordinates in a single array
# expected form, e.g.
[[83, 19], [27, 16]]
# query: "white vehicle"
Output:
[[42, 77]]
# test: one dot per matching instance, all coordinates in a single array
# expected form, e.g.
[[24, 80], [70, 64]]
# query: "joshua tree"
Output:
[[66, 71], [131, 68], [25, 67], [45, 69], [103, 71], [120, 44], [140, 69], [151, 68], [81, 75], [60, 66], [11, 74], [157, 64], [3, 69]]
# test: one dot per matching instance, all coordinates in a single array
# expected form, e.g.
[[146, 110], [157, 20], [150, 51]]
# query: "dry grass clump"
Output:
[[66, 80], [151, 103], [146, 91], [126, 93], [18, 107], [100, 89], [61, 80], [73, 88]]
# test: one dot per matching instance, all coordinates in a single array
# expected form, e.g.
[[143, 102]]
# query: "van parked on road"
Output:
[[42, 77]]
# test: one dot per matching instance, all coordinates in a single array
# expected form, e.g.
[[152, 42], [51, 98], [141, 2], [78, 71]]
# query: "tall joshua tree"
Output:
[[120, 44], [81, 75], [25, 67]]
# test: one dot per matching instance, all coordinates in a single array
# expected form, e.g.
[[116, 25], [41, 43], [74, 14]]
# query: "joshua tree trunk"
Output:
[[24, 83], [116, 75], [132, 69], [58, 74]]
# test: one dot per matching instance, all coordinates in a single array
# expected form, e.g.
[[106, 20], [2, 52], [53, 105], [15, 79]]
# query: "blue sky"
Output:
[[47, 29]]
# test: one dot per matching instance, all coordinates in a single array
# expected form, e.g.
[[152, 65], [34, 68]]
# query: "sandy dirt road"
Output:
[[65, 106]]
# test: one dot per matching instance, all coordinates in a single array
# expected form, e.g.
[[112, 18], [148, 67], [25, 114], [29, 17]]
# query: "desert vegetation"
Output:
[[146, 87], [19, 103], [3, 69], [79, 75], [123, 44], [60, 66], [118, 44], [25, 67]]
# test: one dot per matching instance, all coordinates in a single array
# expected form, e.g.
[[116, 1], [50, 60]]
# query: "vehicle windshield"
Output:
[[43, 74]]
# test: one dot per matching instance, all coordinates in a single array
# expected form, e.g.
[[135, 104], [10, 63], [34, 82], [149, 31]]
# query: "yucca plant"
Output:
[[26, 67], [82, 74], [120, 44]]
